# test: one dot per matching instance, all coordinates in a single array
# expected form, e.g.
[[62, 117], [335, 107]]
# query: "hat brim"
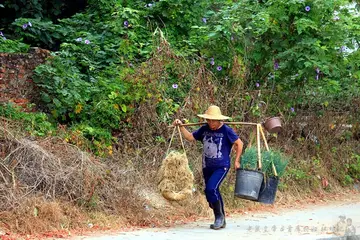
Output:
[[212, 117]]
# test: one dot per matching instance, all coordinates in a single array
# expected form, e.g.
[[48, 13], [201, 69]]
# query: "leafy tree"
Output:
[[299, 54], [288, 46]]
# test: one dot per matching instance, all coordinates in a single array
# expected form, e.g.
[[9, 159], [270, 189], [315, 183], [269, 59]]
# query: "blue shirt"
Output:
[[217, 145]]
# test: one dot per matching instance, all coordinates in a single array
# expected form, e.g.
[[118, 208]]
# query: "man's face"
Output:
[[213, 124]]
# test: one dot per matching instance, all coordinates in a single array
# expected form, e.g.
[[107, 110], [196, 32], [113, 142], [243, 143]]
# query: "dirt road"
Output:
[[309, 222]]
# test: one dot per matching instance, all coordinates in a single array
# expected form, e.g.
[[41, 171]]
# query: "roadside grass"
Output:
[[49, 186]]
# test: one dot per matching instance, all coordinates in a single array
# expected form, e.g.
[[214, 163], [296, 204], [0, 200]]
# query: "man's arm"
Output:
[[238, 145], [187, 135]]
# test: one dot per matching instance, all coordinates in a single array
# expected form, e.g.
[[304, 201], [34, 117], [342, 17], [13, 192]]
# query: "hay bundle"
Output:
[[175, 179]]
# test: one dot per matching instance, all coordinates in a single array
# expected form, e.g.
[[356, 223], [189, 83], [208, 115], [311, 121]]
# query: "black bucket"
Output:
[[268, 190], [248, 183]]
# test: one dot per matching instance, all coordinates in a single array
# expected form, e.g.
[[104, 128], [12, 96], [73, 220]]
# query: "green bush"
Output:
[[301, 51], [101, 70], [103, 99], [13, 46], [277, 158], [354, 167], [39, 32], [249, 159], [36, 124]]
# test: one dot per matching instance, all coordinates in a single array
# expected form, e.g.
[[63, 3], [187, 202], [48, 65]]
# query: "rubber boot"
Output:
[[219, 216], [223, 211]]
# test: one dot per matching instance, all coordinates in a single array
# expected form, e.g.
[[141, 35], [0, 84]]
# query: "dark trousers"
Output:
[[213, 178]]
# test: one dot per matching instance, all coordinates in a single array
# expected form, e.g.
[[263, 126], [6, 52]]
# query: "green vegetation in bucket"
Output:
[[279, 159], [249, 159]]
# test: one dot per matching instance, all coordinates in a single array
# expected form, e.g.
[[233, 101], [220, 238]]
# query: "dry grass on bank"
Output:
[[48, 184]]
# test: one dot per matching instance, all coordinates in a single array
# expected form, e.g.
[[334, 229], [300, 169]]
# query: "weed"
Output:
[[36, 124]]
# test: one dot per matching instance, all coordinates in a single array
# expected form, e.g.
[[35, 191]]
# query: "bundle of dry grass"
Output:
[[175, 179]]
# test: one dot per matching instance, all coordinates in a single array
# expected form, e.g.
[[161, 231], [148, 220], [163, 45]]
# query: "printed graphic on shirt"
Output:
[[212, 145]]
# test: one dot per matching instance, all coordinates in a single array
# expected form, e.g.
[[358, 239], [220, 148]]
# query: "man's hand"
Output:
[[188, 135], [177, 122], [238, 146], [237, 165]]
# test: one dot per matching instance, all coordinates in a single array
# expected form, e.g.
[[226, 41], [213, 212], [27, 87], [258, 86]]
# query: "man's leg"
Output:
[[207, 174], [223, 210], [214, 198]]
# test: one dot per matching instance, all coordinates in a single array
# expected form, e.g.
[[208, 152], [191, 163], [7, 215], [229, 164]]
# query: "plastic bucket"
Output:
[[268, 190], [273, 125], [248, 184]]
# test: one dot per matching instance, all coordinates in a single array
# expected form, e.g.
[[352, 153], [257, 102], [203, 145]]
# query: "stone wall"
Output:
[[16, 70]]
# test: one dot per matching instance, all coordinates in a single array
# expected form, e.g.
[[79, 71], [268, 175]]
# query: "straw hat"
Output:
[[214, 113]]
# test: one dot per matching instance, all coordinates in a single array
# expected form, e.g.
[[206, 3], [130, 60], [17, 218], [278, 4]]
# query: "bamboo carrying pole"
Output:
[[258, 145], [267, 148], [264, 139], [228, 123]]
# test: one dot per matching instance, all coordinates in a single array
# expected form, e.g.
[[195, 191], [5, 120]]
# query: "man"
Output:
[[218, 140]]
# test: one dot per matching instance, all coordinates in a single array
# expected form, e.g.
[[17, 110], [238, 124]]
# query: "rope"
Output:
[[182, 143], [172, 136]]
